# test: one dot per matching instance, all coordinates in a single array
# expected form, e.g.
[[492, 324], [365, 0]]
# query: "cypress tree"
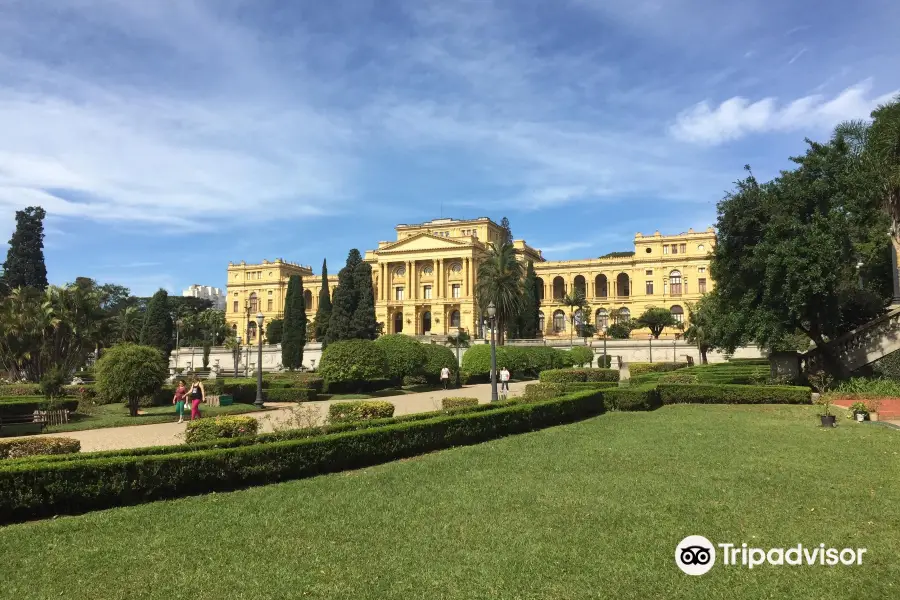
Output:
[[507, 232], [323, 313], [157, 329], [363, 325], [294, 330], [24, 266], [529, 320], [346, 299]]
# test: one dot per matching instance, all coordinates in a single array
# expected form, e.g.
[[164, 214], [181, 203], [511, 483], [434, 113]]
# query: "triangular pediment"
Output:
[[423, 241]]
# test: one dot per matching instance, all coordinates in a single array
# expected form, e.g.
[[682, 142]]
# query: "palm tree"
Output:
[[500, 281], [128, 323], [460, 340], [699, 330], [574, 301]]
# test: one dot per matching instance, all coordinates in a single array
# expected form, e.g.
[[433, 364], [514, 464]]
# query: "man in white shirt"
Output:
[[445, 377], [504, 380]]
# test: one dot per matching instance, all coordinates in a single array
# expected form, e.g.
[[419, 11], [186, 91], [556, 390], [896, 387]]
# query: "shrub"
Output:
[[203, 430], [537, 392], [578, 375], [40, 488], [52, 383], [604, 362], [128, 372], [448, 403], [353, 362], [20, 389], [412, 380], [38, 446], [358, 387], [732, 394], [582, 355], [293, 394], [677, 377], [520, 360], [436, 358], [631, 398], [405, 355], [639, 368], [18, 406], [589, 385], [359, 410]]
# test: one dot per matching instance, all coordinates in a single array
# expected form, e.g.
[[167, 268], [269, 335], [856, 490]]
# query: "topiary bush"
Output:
[[604, 362], [359, 410], [448, 403], [631, 398], [38, 446], [436, 358], [640, 368], [536, 392], [292, 394], [677, 377], [582, 355], [578, 375], [128, 372], [405, 355], [349, 364], [203, 430], [732, 394]]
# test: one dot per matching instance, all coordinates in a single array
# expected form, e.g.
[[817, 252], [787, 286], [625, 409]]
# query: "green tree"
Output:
[[127, 373], [507, 230], [529, 317], [128, 325], [294, 337], [275, 330], [574, 301], [346, 300], [363, 325], [500, 281], [656, 319], [24, 266], [157, 330], [460, 340], [323, 312], [882, 148], [701, 328]]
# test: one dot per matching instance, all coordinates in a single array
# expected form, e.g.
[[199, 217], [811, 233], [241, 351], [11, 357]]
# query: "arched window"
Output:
[[307, 298], [602, 318], [559, 321], [675, 283], [251, 331], [398, 322], [454, 318], [580, 286], [540, 289], [541, 321], [623, 285], [254, 304], [677, 313], [601, 286], [559, 288], [623, 315]]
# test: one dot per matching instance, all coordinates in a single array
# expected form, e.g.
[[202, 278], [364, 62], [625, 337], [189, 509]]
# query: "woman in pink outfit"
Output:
[[197, 394]]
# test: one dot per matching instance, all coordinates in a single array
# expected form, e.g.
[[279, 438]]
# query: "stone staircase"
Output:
[[863, 345]]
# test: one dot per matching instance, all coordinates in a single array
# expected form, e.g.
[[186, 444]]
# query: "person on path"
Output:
[[179, 400], [504, 380], [198, 394], [445, 377]]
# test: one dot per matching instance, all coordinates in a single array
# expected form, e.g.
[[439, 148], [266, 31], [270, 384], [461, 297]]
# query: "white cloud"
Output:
[[738, 117]]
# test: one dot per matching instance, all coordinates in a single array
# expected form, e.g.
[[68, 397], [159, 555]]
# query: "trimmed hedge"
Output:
[[359, 410], [732, 394], [436, 358], [352, 363], [448, 403], [293, 394], [578, 375], [640, 368], [582, 355], [537, 392], [38, 446], [522, 361], [405, 355], [14, 407], [203, 430], [631, 398], [20, 389], [36, 489], [358, 387]]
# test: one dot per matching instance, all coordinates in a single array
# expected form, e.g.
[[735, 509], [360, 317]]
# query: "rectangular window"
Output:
[[665, 249], [682, 248], [398, 294], [235, 306], [674, 248], [427, 294], [701, 285], [701, 269], [649, 288], [648, 272], [269, 305], [455, 290]]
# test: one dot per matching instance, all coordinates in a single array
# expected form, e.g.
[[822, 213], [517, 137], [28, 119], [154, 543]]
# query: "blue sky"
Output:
[[167, 137]]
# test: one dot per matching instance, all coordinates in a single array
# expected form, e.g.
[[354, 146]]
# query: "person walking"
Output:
[[445, 377], [179, 400], [198, 394], [504, 380]]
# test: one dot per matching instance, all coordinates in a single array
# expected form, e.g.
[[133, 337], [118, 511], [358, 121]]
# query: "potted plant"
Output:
[[873, 404], [858, 411], [825, 401], [821, 382]]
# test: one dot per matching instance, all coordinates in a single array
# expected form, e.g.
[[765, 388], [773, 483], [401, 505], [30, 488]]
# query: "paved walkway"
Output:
[[312, 413]]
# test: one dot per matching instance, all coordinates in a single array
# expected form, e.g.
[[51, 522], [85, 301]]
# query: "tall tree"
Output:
[[507, 231], [294, 335], [656, 319], [527, 321], [363, 325], [500, 282], [24, 266], [883, 150], [157, 329], [275, 331], [346, 299], [323, 312], [575, 302]]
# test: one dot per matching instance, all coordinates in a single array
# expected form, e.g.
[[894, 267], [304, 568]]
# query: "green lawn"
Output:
[[590, 510], [116, 415]]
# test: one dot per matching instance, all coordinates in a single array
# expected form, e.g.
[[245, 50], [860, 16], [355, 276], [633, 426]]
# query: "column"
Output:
[[466, 277], [439, 272], [413, 281]]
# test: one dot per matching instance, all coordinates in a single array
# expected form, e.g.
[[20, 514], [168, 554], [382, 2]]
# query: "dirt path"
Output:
[[138, 436]]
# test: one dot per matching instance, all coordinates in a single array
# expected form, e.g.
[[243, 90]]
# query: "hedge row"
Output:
[[614, 398], [14, 407], [578, 375], [522, 361], [33, 389], [360, 410], [204, 430], [732, 394], [40, 489], [448, 403], [290, 395], [38, 446], [639, 368]]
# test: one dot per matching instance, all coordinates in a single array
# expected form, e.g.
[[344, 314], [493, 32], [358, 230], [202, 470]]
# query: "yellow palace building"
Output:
[[424, 280]]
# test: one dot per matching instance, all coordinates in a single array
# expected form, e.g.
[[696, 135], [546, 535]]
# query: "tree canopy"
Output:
[[24, 266], [294, 334], [157, 329], [656, 319], [323, 311], [500, 282]]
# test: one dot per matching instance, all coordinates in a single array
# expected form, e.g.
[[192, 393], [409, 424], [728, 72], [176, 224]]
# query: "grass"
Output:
[[116, 415], [590, 510]]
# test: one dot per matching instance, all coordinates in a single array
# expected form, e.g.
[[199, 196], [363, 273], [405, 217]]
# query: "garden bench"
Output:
[[20, 425]]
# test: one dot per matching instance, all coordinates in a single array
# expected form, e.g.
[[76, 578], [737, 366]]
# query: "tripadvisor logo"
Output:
[[696, 555]]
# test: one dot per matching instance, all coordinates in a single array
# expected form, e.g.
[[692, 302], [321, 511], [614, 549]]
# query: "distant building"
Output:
[[206, 292]]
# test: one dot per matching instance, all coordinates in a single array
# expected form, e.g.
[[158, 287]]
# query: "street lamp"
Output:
[[650, 337], [259, 398], [178, 324], [492, 316], [237, 355], [604, 350]]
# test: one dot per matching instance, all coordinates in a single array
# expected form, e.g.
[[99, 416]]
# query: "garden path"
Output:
[[160, 434]]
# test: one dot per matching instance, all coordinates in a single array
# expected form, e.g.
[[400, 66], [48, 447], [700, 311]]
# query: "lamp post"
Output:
[[674, 339], [492, 316], [249, 340], [604, 349], [178, 324], [259, 397], [650, 337], [237, 356]]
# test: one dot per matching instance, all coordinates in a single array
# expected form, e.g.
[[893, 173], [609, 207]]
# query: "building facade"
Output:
[[205, 292], [424, 280]]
